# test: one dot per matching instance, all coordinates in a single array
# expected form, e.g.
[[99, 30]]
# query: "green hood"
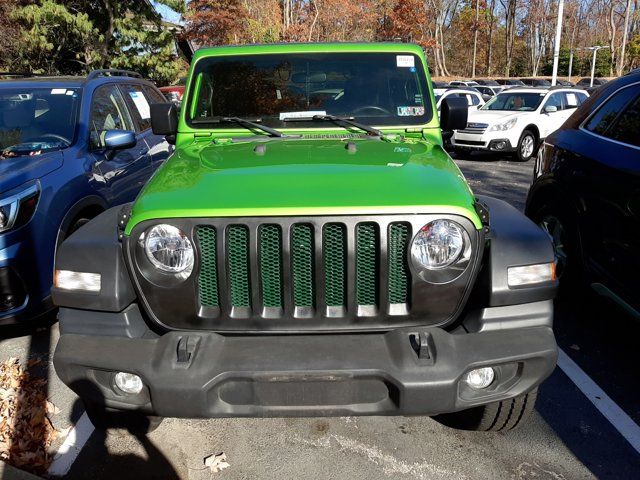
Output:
[[305, 177]]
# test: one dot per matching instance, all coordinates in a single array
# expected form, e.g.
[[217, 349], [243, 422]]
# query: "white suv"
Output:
[[517, 119]]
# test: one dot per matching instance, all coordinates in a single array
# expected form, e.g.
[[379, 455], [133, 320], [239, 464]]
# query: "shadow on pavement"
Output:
[[96, 461]]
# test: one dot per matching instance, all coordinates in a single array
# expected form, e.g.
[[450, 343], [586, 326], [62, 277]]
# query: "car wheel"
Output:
[[135, 422], [494, 417], [561, 227], [526, 146]]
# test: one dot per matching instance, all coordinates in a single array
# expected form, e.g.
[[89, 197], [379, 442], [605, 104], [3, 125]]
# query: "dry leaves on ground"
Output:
[[26, 433], [216, 462]]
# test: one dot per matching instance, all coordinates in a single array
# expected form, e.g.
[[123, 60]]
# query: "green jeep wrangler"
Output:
[[309, 249]]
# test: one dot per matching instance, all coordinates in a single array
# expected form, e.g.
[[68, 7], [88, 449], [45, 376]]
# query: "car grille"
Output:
[[292, 274], [475, 128], [301, 256]]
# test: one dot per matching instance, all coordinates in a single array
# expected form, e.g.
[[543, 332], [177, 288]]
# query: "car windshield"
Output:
[[515, 101], [276, 89], [36, 120]]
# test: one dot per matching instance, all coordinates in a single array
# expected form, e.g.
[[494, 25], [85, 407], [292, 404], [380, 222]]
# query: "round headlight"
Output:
[[169, 249], [438, 244]]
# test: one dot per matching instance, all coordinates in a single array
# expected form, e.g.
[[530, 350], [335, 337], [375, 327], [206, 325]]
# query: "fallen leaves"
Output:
[[26, 432], [217, 462]]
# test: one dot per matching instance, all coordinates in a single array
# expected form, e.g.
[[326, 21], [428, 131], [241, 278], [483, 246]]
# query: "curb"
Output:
[[7, 472]]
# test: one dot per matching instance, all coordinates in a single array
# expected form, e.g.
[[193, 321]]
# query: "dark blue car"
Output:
[[70, 147], [586, 194]]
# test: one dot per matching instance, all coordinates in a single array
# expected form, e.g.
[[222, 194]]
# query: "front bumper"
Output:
[[491, 141], [189, 374]]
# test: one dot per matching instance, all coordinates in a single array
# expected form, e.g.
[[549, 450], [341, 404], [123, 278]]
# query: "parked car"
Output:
[[517, 119], [562, 83], [586, 194], [70, 148], [174, 92], [487, 82], [463, 83], [308, 264], [489, 91], [536, 82], [586, 82], [473, 97], [513, 82]]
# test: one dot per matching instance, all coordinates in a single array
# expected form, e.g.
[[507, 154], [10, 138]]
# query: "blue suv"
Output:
[[70, 147]]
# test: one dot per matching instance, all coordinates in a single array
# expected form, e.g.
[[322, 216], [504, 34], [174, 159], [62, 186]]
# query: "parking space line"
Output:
[[71, 447], [611, 411]]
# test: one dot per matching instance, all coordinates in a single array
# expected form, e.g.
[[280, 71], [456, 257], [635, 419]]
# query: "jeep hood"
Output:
[[305, 177]]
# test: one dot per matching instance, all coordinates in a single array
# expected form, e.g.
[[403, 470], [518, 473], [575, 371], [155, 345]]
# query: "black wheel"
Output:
[[495, 417], [134, 422], [561, 226], [526, 146]]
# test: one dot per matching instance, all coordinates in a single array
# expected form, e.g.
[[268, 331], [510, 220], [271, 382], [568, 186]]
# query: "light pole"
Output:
[[595, 49], [556, 49]]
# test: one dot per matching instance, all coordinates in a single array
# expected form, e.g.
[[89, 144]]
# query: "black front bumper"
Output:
[[210, 375]]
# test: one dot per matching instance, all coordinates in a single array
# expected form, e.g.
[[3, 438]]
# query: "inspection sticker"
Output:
[[410, 111], [405, 61]]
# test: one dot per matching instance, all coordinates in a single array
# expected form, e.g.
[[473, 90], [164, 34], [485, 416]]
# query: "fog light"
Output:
[[480, 377], [128, 383], [499, 145], [68, 280]]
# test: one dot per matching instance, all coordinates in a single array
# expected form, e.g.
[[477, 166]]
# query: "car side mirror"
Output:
[[164, 119], [453, 114], [550, 109], [119, 139]]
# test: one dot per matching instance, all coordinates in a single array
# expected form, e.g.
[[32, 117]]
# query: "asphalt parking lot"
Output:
[[568, 438]]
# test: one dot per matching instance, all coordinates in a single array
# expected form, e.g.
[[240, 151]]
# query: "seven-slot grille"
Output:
[[475, 128], [303, 269]]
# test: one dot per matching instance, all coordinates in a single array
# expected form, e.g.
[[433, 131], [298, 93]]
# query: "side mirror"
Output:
[[164, 119], [119, 139], [550, 109], [453, 113]]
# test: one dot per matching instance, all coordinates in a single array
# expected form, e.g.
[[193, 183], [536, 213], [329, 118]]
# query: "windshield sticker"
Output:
[[410, 111], [141, 104], [58, 91], [405, 61], [301, 115]]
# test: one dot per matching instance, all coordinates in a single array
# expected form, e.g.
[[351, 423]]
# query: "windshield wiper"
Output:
[[348, 121], [248, 124]]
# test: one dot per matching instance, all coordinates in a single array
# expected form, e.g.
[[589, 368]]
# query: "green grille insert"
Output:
[[238, 259], [208, 275], [399, 234], [334, 256], [271, 265], [302, 252], [367, 264]]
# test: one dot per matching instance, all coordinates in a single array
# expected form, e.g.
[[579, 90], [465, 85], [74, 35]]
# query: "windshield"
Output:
[[515, 101], [373, 88], [37, 120]]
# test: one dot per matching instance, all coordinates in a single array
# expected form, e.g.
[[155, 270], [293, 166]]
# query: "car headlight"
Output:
[[440, 251], [17, 209], [169, 249], [504, 126]]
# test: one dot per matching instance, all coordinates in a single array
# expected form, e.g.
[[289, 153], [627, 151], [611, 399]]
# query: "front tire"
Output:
[[494, 417], [526, 146], [561, 226]]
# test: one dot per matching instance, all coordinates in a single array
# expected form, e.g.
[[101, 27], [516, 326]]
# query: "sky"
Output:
[[167, 13]]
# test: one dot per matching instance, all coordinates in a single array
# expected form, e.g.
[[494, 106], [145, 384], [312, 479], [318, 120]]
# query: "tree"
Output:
[[216, 22], [75, 36]]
